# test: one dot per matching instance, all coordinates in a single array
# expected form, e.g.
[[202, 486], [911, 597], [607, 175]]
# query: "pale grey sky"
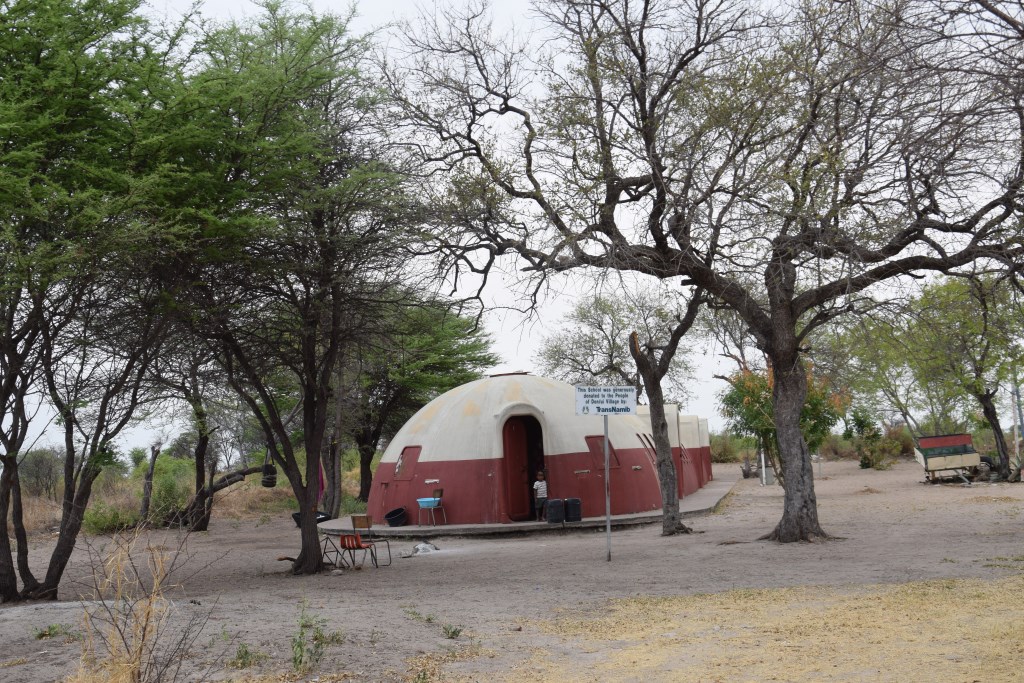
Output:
[[517, 337]]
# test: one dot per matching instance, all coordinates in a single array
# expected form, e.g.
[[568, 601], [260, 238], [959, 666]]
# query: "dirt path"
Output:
[[528, 606]]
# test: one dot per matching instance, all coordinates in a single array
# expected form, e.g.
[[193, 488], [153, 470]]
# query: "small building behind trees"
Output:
[[484, 442]]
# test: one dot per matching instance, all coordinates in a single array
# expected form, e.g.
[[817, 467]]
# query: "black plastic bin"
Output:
[[555, 511], [320, 517], [269, 479], [573, 510], [396, 517]]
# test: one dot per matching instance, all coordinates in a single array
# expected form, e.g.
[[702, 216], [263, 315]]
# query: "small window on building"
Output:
[[406, 464], [596, 446]]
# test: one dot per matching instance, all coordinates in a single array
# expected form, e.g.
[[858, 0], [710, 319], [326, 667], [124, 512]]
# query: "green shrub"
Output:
[[104, 519], [246, 657], [350, 505], [349, 460], [724, 448], [173, 485], [836, 448], [901, 435]]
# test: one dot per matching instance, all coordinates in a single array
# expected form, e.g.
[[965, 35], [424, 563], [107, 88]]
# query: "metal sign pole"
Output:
[[605, 401], [607, 492]]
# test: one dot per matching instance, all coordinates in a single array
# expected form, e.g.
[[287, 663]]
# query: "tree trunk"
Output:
[[670, 520], [331, 500], [8, 579], [332, 463], [366, 453], [197, 514], [988, 409], [310, 559], [800, 507], [28, 580], [70, 526], [147, 485], [200, 508]]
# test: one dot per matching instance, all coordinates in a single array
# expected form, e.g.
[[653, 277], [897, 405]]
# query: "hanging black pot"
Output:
[[269, 480]]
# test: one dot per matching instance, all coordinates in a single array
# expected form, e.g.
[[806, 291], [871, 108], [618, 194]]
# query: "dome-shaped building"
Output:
[[485, 441]]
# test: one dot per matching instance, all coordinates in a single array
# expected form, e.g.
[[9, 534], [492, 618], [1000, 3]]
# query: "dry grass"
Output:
[[248, 498], [430, 667], [953, 630], [127, 638], [40, 514]]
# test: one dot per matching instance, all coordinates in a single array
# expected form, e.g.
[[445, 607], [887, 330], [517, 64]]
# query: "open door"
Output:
[[523, 443]]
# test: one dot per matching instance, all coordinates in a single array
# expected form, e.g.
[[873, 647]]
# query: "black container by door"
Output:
[[555, 511], [573, 510]]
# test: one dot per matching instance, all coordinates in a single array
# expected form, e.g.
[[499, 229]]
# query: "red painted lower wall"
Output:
[[474, 490]]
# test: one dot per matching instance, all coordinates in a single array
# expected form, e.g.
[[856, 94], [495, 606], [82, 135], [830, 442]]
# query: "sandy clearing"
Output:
[[505, 593]]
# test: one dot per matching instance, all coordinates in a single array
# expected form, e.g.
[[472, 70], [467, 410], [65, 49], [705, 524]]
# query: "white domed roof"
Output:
[[466, 423]]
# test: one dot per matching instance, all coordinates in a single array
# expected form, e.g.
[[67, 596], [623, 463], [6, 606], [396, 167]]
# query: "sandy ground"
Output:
[[535, 608]]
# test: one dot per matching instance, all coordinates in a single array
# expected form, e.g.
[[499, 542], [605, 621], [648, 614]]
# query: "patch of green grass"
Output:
[[309, 642], [332, 638], [350, 505], [246, 657], [451, 632], [56, 631], [101, 519], [414, 614]]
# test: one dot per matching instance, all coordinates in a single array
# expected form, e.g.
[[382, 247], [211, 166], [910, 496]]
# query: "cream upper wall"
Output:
[[466, 423]]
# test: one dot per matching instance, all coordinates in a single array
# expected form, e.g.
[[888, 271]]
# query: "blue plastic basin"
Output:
[[428, 502]]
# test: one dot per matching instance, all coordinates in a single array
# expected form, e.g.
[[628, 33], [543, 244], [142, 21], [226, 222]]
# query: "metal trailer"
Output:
[[947, 453]]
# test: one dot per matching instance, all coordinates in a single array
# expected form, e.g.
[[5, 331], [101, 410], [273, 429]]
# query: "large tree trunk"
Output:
[[800, 507], [147, 484], [197, 514], [70, 526], [670, 520], [8, 579], [988, 409], [366, 453], [310, 559], [28, 580]]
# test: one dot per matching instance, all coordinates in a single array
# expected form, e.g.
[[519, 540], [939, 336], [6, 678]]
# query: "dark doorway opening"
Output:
[[524, 457]]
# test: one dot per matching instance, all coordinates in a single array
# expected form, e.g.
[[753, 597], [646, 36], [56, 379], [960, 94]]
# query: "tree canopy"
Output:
[[783, 162]]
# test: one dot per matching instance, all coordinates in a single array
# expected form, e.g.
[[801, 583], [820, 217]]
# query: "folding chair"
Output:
[[363, 524], [333, 554], [430, 506], [350, 543]]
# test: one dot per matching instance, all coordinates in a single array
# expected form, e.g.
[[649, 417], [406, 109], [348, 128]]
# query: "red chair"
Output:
[[363, 525], [350, 543]]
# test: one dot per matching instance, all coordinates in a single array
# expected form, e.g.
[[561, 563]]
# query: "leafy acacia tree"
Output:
[[68, 102], [872, 358], [421, 352], [963, 335], [288, 226], [96, 374], [748, 406], [785, 166]]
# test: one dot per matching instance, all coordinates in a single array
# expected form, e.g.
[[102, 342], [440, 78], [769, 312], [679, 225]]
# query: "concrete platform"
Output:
[[694, 505]]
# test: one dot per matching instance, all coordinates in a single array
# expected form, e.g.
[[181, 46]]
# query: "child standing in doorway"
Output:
[[540, 495]]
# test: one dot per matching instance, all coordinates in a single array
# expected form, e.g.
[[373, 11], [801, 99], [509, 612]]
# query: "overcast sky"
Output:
[[517, 337]]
